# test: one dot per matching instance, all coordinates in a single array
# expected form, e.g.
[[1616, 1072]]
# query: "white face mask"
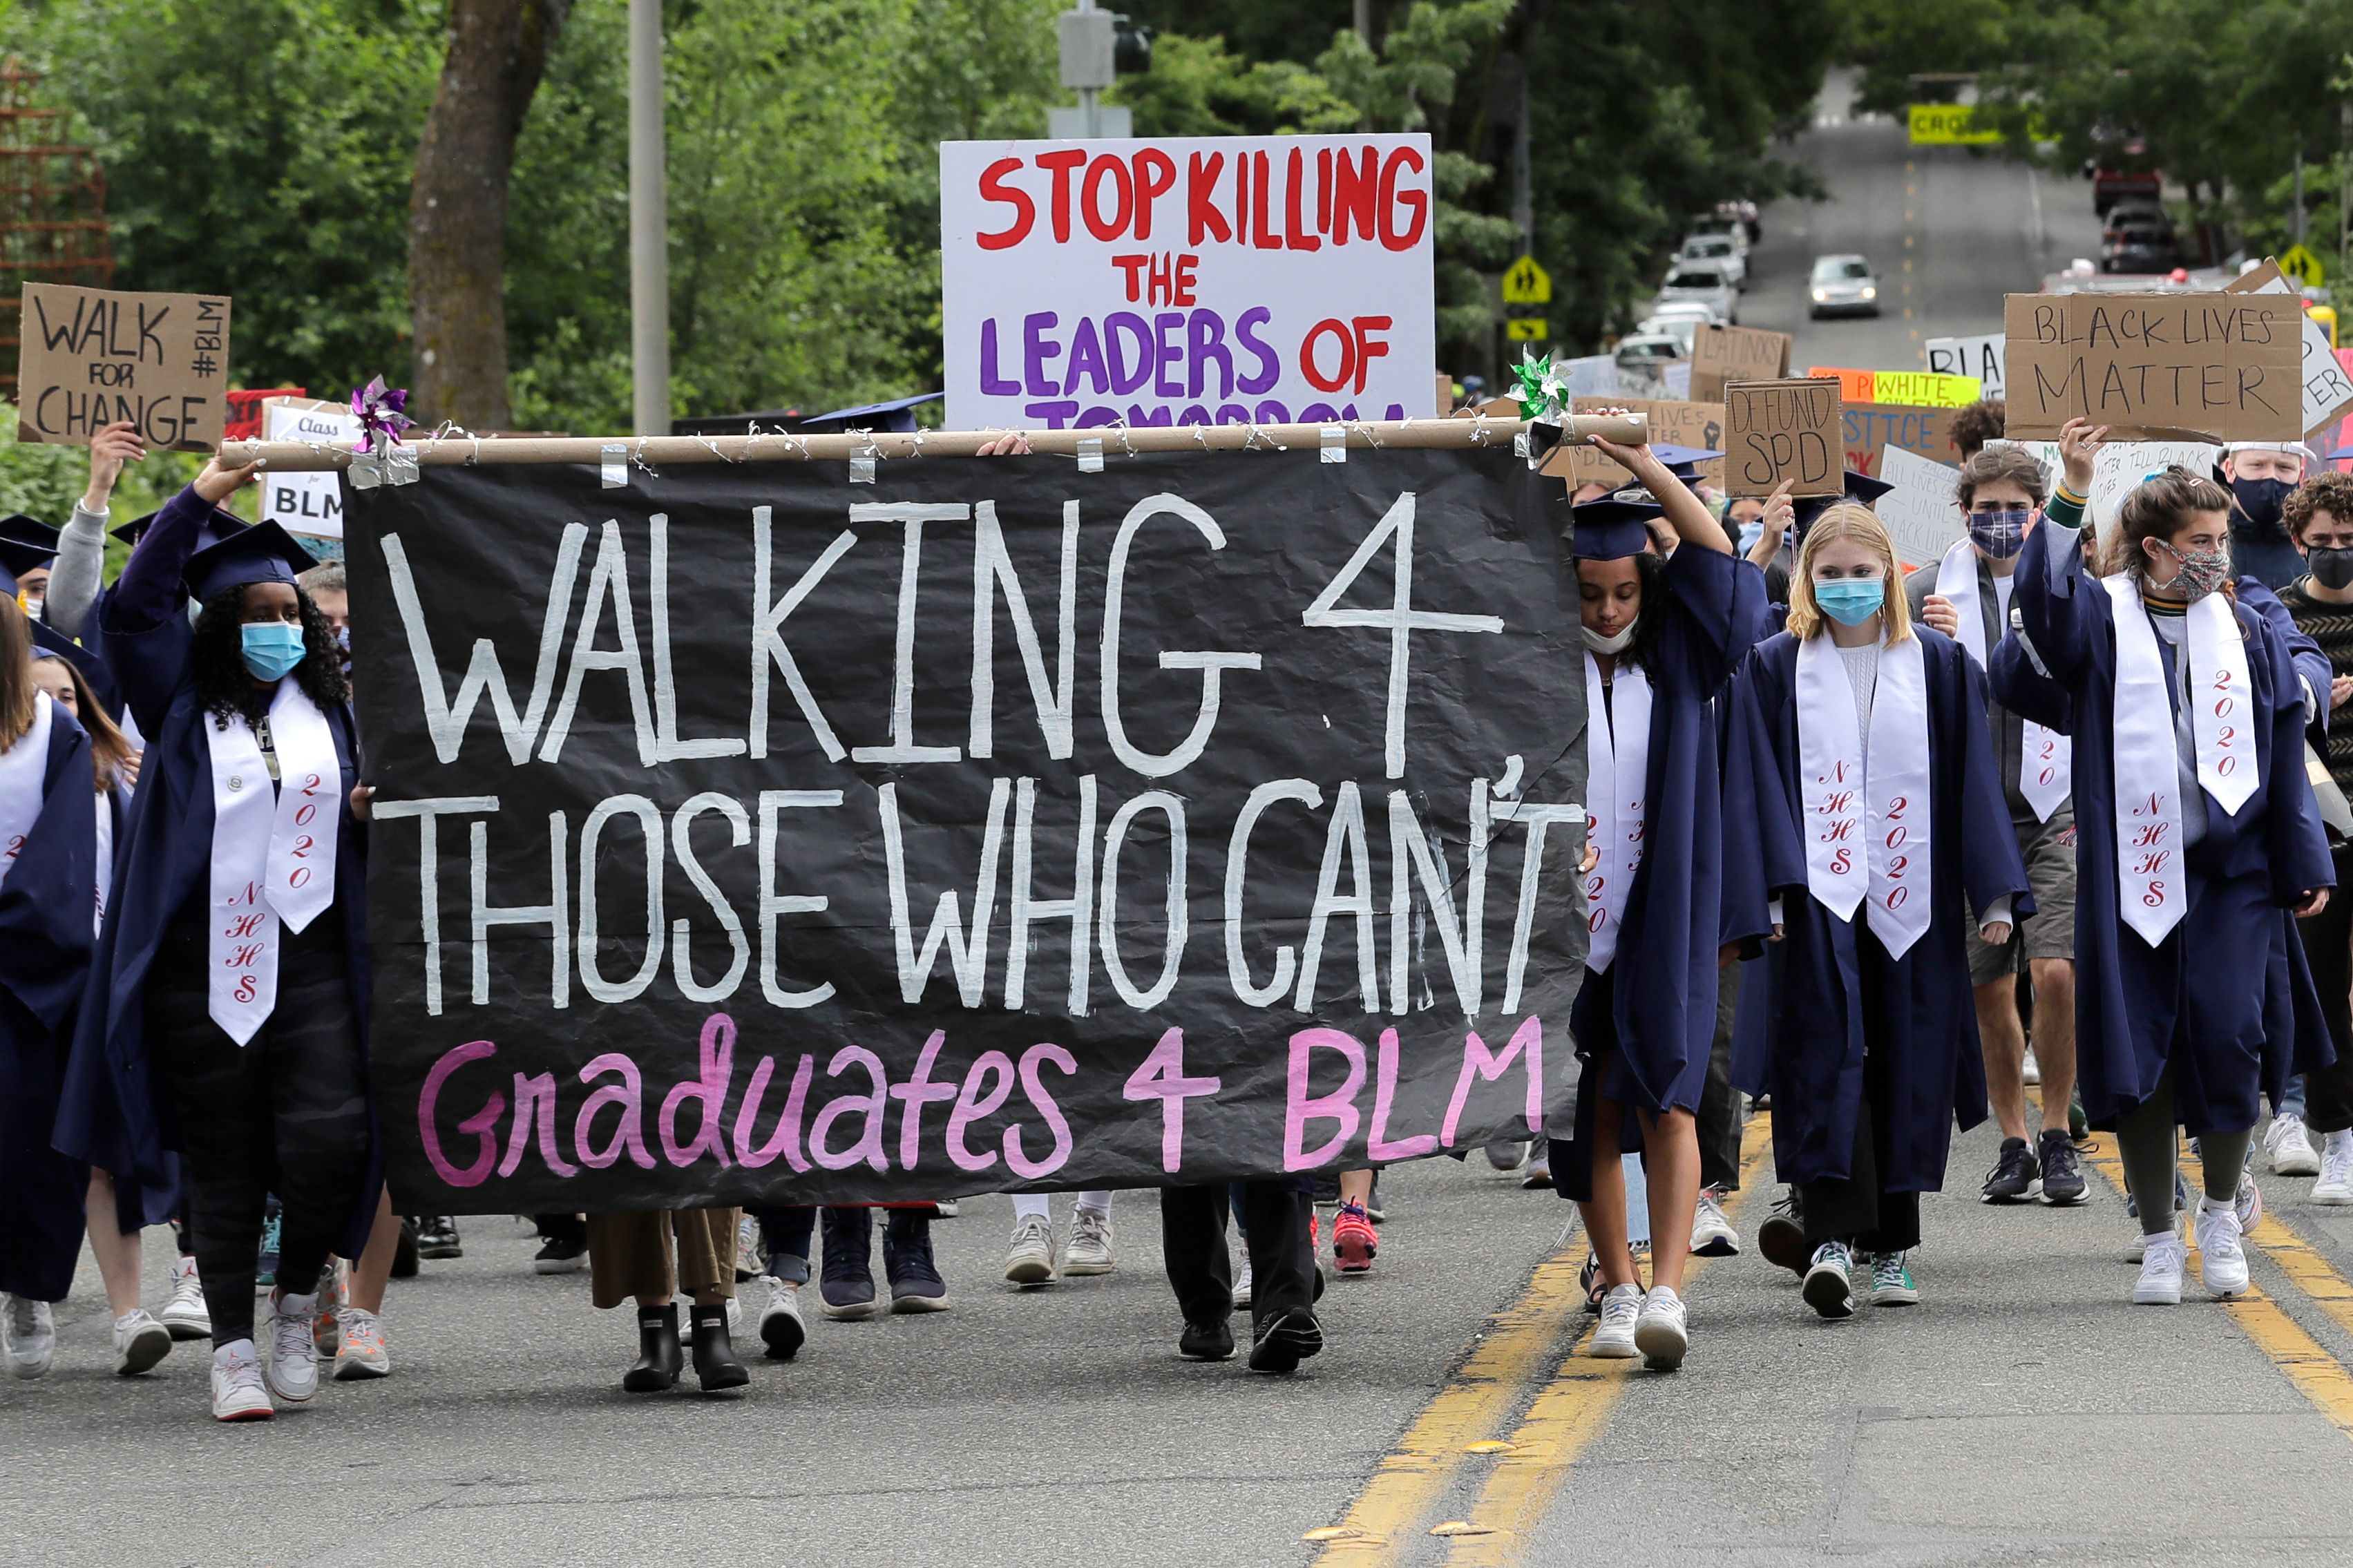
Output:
[[32, 607], [1618, 643]]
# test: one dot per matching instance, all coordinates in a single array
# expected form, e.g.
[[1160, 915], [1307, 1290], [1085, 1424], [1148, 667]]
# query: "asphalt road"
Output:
[[1950, 230], [2024, 1412]]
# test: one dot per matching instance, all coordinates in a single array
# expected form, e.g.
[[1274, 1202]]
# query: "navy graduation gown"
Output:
[[2251, 1018], [46, 908], [1651, 1019], [1808, 1045], [117, 1110]]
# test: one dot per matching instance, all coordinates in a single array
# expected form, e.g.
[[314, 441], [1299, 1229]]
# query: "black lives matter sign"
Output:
[[91, 357], [746, 834]]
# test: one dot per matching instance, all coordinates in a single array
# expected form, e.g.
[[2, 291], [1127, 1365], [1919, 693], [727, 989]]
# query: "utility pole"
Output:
[[2295, 213], [648, 224]]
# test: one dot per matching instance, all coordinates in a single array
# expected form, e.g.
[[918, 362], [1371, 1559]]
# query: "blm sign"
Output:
[[746, 834]]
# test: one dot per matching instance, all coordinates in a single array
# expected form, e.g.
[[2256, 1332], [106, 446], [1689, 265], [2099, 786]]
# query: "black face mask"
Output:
[[2332, 568], [2262, 500]]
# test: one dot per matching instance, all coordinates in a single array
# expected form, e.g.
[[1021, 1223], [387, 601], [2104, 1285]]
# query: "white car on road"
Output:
[[1843, 286], [1726, 252], [1700, 283]]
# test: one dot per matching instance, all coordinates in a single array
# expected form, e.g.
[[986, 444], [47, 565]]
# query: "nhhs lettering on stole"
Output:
[[747, 833]]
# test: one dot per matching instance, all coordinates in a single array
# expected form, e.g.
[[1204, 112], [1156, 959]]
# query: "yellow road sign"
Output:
[[2297, 262], [1526, 283], [1948, 125], [1527, 329]]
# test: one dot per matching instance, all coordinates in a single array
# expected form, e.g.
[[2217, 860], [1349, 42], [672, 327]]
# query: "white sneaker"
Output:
[[334, 1292], [2162, 1261], [782, 1327], [140, 1342], [2221, 1261], [2289, 1144], [1242, 1288], [2335, 1188], [238, 1391], [291, 1363], [2249, 1204], [1661, 1333], [1089, 1249], [1030, 1259], [362, 1354], [29, 1335], [2030, 1071], [1620, 1309], [1713, 1234], [186, 1315], [749, 1262]]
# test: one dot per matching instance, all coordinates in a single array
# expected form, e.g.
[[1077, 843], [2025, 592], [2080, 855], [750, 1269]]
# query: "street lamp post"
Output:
[[648, 224]]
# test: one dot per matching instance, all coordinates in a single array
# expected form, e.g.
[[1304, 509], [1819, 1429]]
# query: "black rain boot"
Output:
[[714, 1353], [660, 1360]]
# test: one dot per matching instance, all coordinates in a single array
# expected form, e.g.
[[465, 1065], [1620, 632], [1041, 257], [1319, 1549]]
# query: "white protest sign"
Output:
[[1595, 375], [2117, 469], [1981, 356], [1677, 376], [1920, 513], [1188, 280], [306, 503]]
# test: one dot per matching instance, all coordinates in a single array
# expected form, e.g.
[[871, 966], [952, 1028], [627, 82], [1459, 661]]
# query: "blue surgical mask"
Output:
[[270, 647], [1850, 601], [1750, 532], [2000, 535]]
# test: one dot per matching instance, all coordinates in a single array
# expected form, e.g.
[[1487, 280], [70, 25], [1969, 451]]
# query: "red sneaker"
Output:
[[1354, 1242]]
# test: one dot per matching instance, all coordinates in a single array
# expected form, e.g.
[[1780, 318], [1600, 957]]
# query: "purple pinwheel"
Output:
[[378, 409]]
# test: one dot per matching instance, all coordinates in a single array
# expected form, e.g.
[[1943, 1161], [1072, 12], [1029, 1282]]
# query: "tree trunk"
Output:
[[458, 207]]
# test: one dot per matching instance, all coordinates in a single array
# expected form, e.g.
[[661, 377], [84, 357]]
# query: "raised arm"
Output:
[[2059, 607], [1687, 516], [81, 566]]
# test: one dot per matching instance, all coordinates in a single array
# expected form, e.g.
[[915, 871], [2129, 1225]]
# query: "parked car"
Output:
[[1843, 286], [1726, 252], [1702, 283], [1681, 323], [2147, 213], [2139, 247], [2111, 186], [1745, 213], [1642, 360]]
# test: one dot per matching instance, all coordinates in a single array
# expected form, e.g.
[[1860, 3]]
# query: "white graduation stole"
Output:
[[273, 857], [2045, 767], [1618, 769], [24, 770], [105, 861], [2151, 888], [1867, 814]]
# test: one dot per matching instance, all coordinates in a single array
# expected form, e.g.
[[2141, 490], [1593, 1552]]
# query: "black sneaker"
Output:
[[915, 1282], [436, 1236], [2014, 1174], [1206, 1342], [2062, 1170], [561, 1255], [1285, 1340], [845, 1284], [1782, 1238]]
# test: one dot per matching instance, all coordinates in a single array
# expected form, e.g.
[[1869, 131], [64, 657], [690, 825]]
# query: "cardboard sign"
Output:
[[93, 356], [2327, 390], [1920, 511], [1777, 430], [2119, 466], [1188, 280], [1721, 355], [2157, 367], [1981, 356], [1673, 424], [306, 504], [1868, 427], [1907, 387]]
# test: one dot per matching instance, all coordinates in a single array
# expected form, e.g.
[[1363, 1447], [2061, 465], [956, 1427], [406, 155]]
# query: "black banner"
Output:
[[745, 833]]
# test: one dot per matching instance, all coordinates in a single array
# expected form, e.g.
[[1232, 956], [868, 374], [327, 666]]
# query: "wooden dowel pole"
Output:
[[654, 451]]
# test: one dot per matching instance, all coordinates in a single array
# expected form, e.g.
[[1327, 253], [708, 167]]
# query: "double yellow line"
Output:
[[1534, 1339]]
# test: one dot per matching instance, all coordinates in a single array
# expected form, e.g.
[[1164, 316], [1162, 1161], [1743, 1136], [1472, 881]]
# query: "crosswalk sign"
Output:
[[1527, 329], [2297, 262], [1526, 283]]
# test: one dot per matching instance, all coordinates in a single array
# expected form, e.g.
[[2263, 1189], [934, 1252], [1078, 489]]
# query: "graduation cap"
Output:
[[1613, 528], [1684, 461], [264, 552], [32, 530], [1860, 489], [131, 532], [18, 556]]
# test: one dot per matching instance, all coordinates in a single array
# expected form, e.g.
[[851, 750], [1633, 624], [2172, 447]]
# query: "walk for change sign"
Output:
[[89, 357], [748, 835], [1201, 280]]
